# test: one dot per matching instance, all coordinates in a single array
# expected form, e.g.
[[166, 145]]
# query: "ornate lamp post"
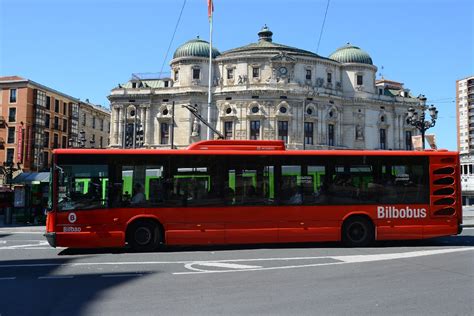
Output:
[[418, 121]]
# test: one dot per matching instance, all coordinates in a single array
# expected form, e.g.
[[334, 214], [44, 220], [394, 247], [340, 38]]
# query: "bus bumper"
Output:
[[51, 238]]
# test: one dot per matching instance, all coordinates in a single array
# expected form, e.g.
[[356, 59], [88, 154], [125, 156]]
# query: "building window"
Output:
[[64, 144], [228, 130], [176, 75], [329, 77], [10, 155], [101, 123], [255, 72], [165, 133], [101, 141], [48, 103], [380, 91], [196, 73], [283, 131], [230, 73], [308, 133], [46, 140], [11, 135], [84, 118], [55, 141], [93, 122], [64, 125], [408, 142], [56, 106], [12, 95], [47, 119], [383, 139], [330, 134], [254, 130], [56, 123], [360, 80], [64, 108], [12, 115], [45, 159], [308, 74]]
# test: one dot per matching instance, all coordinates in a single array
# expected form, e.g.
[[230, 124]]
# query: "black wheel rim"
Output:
[[356, 232], [143, 236]]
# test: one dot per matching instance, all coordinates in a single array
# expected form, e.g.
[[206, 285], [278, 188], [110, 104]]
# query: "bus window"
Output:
[[403, 183], [82, 187], [141, 185], [250, 186]]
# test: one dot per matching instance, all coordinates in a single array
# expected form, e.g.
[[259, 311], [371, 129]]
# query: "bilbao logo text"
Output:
[[405, 212]]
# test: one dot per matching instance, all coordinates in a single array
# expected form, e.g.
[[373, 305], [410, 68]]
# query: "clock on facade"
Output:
[[283, 70]]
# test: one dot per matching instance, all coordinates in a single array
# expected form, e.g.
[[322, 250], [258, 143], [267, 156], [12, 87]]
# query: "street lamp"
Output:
[[418, 121]]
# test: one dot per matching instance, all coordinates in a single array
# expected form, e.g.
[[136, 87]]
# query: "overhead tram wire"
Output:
[[322, 27], [172, 38]]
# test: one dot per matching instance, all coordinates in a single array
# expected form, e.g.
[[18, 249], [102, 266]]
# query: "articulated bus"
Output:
[[237, 192]]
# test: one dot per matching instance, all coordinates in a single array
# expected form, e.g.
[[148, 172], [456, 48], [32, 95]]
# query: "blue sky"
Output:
[[86, 47]]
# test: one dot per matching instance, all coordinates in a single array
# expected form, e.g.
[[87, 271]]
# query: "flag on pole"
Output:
[[210, 8]]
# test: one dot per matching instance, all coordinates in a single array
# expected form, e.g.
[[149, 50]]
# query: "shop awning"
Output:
[[31, 178]]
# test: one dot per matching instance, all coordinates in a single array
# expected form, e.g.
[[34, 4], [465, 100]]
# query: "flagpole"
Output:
[[209, 96]]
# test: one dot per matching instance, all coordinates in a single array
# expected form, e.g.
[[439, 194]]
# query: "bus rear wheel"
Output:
[[144, 236], [357, 231]]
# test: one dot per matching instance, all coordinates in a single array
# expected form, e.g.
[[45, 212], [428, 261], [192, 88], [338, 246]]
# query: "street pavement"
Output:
[[428, 277]]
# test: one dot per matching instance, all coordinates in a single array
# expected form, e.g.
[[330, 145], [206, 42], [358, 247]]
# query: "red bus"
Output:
[[237, 192]]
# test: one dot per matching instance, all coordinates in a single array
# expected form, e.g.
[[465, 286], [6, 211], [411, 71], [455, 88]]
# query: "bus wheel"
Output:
[[357, 231], [144, 236]]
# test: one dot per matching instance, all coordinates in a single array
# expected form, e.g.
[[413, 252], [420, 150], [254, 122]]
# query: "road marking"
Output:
[[3, 242], [19, 232], [342, 260], [121, 275], [54, 277], [7, 278], [190, 266], [40, 243]]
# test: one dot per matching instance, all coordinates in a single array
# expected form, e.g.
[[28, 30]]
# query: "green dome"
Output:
[[195, 48], [351, 54]]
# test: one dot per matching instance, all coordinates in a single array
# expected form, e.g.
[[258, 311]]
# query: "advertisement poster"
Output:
[[19, 197]]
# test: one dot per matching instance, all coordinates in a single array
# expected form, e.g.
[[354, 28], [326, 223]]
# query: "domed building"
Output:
[[264, 90]]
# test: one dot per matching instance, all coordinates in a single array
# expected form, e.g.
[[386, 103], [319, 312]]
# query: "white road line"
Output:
[[54, 277], [7, 278], [12, 232], [121, 275], [190, 266], [41, 243], [227, 265], [3, 242], [344, 260]]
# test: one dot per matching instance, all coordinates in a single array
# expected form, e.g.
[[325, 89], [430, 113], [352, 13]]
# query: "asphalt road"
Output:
[[433, 277]]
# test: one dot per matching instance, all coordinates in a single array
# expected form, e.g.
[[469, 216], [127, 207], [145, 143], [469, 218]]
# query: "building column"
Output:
[[146, 126], [119, 135]]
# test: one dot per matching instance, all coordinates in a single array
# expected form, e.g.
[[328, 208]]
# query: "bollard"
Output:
[[8, 216]]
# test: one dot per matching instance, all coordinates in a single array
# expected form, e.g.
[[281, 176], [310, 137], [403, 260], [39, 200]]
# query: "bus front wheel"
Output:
[[143, 236], [357, 231]]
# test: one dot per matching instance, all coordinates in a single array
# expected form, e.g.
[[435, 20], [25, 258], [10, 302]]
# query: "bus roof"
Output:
[[248, 147]]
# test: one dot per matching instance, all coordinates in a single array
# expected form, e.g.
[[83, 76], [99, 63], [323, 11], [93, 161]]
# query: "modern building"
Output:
[[34, 119], [465, 129], [94, 125], [264, 90]]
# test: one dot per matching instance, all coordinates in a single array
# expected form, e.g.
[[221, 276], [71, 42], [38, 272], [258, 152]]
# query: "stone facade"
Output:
[[94, 126], [265, 90]]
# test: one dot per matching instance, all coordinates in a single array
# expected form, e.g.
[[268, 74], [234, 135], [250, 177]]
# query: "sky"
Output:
[[84, 48]]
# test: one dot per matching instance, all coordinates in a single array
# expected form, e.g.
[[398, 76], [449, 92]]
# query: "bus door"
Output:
[[193, 197], [303, 197], [83, 206], [250, 216]]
